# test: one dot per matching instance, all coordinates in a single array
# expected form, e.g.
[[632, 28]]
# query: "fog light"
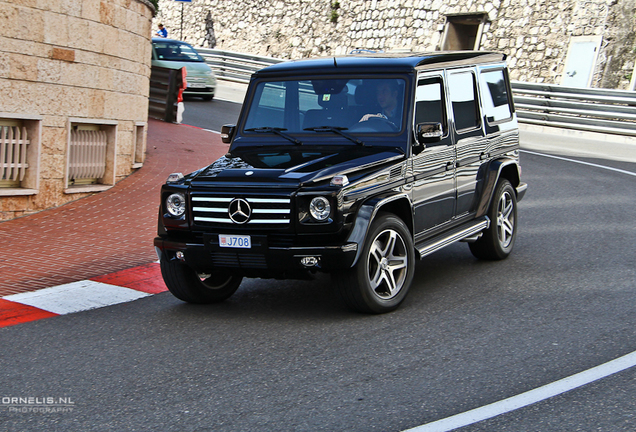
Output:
[[309, 261]]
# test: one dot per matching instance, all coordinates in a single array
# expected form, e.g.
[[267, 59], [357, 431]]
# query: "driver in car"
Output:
[[387, 97]]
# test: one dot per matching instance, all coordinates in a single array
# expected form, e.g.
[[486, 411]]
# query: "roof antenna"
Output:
[[334, 62]]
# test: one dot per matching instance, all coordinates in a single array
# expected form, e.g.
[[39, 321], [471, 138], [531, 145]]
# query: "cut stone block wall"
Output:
[[535, 34]]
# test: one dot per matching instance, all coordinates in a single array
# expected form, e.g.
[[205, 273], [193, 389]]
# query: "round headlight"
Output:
[[320, 209], [176, 204]]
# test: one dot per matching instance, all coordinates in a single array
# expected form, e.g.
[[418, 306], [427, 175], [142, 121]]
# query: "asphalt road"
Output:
[[287, 356]]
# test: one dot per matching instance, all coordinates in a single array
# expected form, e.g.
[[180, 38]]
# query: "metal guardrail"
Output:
[[233, 66], [587, 109]]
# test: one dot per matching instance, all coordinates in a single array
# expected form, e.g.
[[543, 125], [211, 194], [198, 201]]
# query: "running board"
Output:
[[469, 229]]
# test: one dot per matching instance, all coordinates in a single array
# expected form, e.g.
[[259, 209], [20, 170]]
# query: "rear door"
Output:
[[468, 135], [433, 167]]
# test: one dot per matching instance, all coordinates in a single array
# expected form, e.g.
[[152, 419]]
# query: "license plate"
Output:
[[196, 85], [235, 241]]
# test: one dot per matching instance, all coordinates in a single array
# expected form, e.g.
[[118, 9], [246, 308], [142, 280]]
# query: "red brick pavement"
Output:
[[106, 232]]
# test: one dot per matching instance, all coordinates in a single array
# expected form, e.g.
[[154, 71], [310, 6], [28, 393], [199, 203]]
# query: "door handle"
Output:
[[483, 156], [450, 166]]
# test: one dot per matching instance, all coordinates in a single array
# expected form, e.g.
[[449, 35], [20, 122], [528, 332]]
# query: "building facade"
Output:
[[571, 42], [74, 80]]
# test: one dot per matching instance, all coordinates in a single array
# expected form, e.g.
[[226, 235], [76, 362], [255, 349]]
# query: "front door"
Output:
[[434, 166]]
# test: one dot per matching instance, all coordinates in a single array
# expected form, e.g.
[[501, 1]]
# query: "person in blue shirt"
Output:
[[162, 32]]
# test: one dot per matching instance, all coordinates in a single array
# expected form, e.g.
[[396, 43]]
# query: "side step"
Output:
[[468, 229]]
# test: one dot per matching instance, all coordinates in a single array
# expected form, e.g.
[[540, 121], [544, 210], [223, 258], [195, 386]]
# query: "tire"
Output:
[[497, 241], [381, 278], [207, 98], [185, 284]]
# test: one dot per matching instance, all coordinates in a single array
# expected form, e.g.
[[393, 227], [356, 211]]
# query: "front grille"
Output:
[[261, 211]]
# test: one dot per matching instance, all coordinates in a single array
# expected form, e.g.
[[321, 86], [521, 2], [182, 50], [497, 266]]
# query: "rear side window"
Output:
[[495, 96], [463, 94]]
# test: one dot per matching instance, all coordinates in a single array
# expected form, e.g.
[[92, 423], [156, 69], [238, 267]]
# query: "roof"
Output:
[[162, 39], [396, 62]]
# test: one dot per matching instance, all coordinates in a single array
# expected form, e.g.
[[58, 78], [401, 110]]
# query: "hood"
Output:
[[288, 166]]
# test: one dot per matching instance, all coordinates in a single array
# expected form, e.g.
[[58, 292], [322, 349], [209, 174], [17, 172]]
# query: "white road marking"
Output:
[[581, 162], [76, 297], [529, 397]]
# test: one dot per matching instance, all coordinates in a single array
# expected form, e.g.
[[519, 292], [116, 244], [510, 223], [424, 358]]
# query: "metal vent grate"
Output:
[[395, 172], [87, 155], [234, 260], [13, 154]]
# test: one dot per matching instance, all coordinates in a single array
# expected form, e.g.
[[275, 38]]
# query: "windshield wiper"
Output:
[[277, 131], [336, 130]]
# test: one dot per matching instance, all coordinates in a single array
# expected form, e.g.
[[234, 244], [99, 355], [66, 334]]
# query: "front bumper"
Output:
[[203, 91], [261, 260]]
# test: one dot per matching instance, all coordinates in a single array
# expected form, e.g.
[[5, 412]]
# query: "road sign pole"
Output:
[[181, 26]]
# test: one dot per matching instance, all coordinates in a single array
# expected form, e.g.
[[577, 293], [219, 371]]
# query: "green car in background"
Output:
[[174, 54]]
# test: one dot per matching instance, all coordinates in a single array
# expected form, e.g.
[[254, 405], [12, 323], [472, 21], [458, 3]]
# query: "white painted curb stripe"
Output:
[[581, 162], [76, 297], [529, 397]]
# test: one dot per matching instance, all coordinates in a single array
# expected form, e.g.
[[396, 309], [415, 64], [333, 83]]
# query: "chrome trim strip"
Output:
[[209, 209], [208, 199], [269, 200], [206, 219], [272, 211], [472, 230], [251, 200], [252, 221]]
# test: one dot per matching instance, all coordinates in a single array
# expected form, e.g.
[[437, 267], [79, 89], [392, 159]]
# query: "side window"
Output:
[[463, 94], [429, 102], [496, 100]]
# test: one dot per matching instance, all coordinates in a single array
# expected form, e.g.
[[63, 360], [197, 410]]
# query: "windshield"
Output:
[[338, 106], [176, 51]]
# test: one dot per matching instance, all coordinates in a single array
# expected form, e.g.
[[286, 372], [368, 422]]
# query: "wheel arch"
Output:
[[499, 168], [399, 204]]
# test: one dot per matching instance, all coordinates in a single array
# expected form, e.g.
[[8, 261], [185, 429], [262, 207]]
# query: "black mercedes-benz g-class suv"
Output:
[[354, 166]]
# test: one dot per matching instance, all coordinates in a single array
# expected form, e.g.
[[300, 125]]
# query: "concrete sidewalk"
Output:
[[108, 231]]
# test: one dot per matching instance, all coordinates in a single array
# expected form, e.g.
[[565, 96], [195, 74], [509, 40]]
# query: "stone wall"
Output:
[[68, 62], [534, 33]]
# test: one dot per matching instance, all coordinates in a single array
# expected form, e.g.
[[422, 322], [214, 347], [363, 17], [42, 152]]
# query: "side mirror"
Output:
[[227, 133], [428, 132]]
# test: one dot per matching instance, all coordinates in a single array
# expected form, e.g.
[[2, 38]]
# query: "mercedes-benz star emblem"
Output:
[[239, 211]]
